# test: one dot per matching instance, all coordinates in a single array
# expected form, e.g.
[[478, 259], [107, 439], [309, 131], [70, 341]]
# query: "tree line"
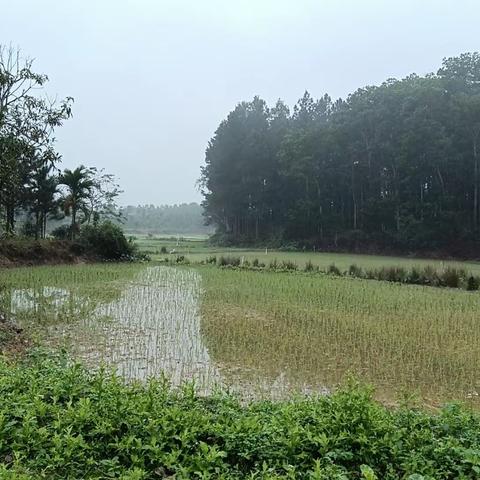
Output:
[[394, 165], [32, 187], [185, 218]]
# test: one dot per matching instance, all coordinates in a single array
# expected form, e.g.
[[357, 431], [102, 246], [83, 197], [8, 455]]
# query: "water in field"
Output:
[[153, 328]]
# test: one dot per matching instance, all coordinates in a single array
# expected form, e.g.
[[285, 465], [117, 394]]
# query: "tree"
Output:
[[27, 123], [394, 166], [102, 197], [43, 198], [78, 185]]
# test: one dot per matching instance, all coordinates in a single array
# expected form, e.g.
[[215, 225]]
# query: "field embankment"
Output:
[[24, 252]]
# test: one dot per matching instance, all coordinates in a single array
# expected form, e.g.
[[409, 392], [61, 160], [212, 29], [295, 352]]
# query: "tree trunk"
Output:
[[475, 185]]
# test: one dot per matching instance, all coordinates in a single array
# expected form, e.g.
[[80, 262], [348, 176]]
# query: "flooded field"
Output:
[[259, 334], [152, 329]]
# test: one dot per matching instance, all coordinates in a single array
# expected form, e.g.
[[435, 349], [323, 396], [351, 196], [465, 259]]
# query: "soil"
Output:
[[19, 252]]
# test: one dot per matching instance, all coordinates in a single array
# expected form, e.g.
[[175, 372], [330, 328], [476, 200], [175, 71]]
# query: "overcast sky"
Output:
[[152, 79]]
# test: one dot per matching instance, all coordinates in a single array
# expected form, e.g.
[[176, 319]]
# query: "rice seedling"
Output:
[[309, 332], [267, 333]]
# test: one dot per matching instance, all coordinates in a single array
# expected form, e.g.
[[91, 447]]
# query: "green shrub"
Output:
[[211, 260], [163, 249], [333, 270], [309, 266], [355, 271], [452, 277], [273, 265], [288, 265], [429, 276], [224, 261], [59, 420], [105, 240], [63, 232], [413, 276], [473, 283]]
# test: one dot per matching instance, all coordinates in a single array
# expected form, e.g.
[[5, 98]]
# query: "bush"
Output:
[[414, 276], [212, 260], [60, 420], [182, 259], [63, 232], [452, 277], [163, 249], [107, 241], [355, 271], [288, 265], [310, 267], [334, 270], [473, 283], [224, 261], [429, 276], [273, 265]]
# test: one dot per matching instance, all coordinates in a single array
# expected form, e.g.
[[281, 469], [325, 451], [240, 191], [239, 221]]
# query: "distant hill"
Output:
[[186, 218]]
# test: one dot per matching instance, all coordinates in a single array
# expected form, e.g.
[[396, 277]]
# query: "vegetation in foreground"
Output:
[[59, 421]]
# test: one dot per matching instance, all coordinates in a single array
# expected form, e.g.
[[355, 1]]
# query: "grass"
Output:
[[58, 420], [311, 331], [261, 333], [86, 285], [198, 250]]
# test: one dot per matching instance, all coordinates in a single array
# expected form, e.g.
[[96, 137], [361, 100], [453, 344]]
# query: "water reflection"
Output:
[[152, 328]]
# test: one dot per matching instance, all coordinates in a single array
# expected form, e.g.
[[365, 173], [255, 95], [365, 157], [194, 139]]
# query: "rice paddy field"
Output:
[[196, 249], [260, 334]]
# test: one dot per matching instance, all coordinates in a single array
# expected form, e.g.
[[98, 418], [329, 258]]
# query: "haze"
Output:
[[153, 79]]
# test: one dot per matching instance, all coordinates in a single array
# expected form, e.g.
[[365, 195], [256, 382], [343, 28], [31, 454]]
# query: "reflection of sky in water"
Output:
[[29, 299], [153, 328]]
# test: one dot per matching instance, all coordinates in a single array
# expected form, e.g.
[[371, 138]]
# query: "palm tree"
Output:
[[79, 184], [44, 188]]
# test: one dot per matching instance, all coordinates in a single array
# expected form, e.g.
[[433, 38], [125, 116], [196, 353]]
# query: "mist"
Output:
[[153, 79]]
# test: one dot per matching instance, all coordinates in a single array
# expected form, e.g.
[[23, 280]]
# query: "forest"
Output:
[[185, 218], [394, 166]]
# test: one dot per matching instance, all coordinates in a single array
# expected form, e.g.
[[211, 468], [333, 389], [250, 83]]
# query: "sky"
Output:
[[152, 79]]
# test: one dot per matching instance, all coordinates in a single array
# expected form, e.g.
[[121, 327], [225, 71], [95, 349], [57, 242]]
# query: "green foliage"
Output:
[[59, 421], [333, 270], [28, 119], [224, 261], [393, 166], [449, 276], [107, 241], [211, 260], [62, 232], [473, 283], [288, 265], [310, 267], [355, 271]]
